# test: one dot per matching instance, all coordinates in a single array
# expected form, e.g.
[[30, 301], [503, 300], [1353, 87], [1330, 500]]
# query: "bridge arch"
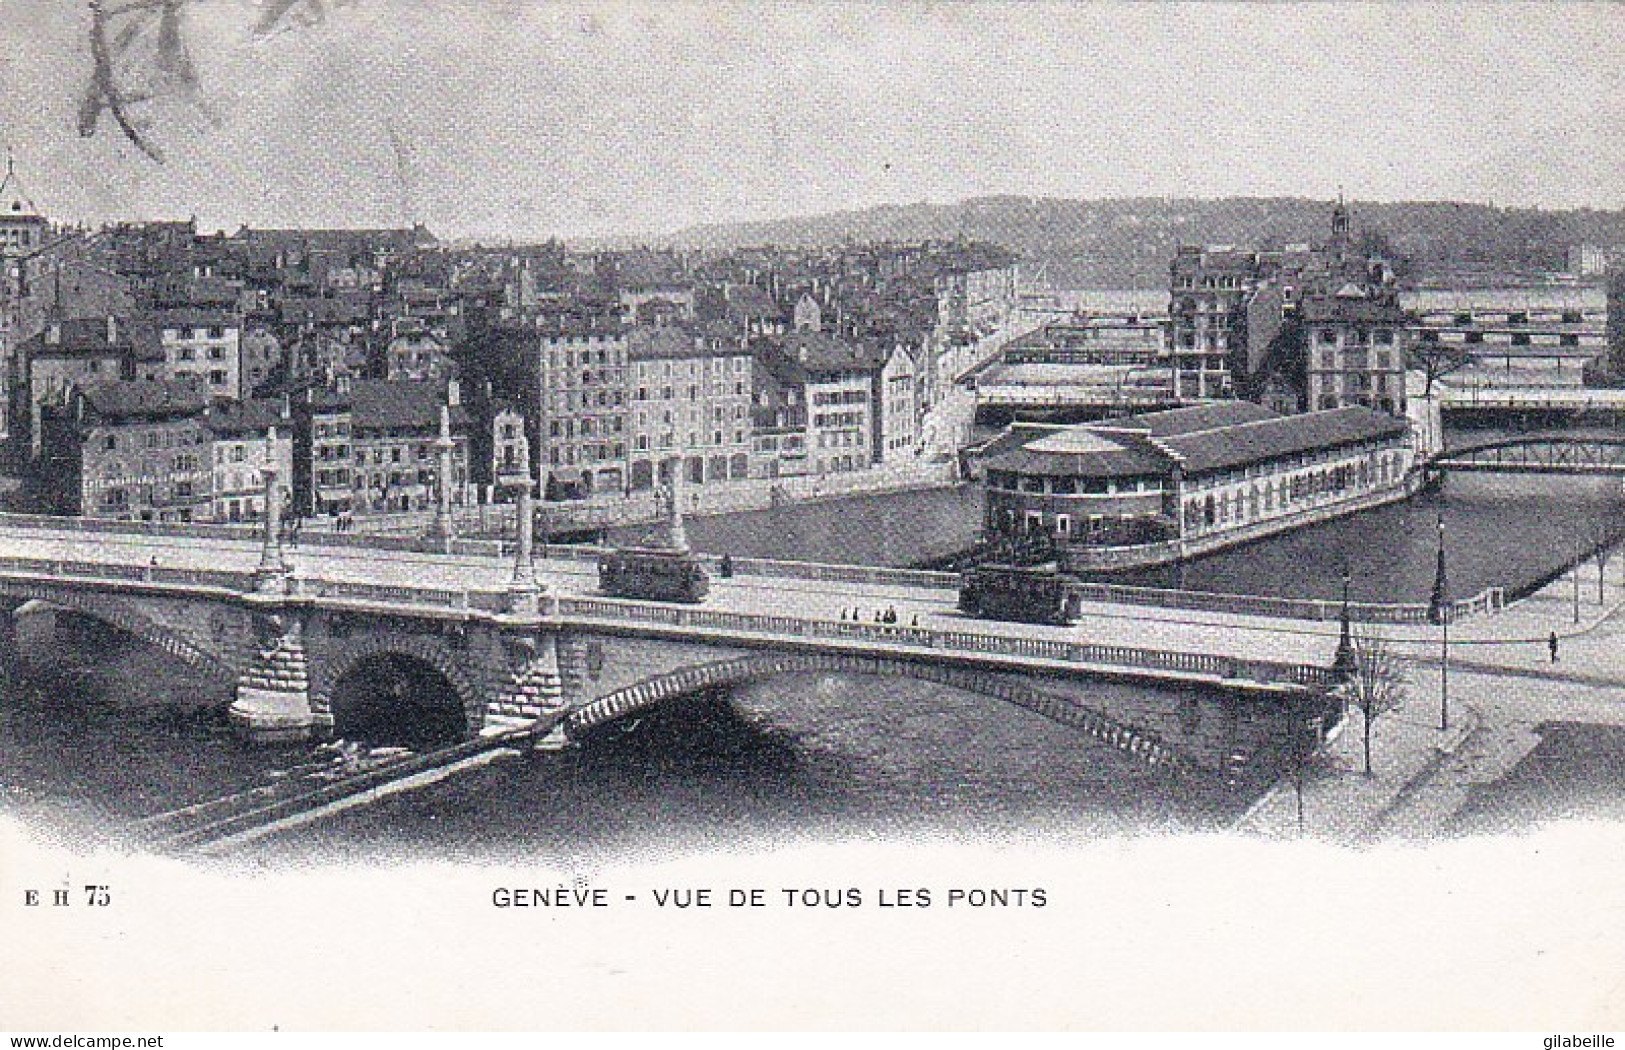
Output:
[[622, 703], [117, 613], [417, 664]]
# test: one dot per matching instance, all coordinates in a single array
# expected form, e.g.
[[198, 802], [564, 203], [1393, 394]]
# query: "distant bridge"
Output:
[[1539, 453]]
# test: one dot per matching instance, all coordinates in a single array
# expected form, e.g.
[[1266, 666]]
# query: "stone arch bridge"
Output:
[[279, 647]]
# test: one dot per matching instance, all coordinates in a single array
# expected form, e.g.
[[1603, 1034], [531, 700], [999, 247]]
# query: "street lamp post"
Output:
[[1577, 556], [1343, 664], [1439, 613]]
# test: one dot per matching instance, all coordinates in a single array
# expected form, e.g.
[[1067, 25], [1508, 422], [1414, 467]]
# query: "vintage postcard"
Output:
[[538, 515]]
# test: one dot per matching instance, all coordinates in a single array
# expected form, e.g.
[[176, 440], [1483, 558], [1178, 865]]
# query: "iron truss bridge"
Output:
[[1539, 454]]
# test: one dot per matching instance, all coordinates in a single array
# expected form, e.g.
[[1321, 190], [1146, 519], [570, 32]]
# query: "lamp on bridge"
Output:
[[676, 535], [524, 592], [1343, 663], [272, 575], [1439, 613], [444, 529]]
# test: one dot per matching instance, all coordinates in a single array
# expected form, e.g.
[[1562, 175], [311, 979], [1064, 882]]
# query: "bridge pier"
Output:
[[273, 692], [535, 688], [35, 625]]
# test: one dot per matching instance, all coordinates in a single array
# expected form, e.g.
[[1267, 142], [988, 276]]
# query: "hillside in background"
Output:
[[1127, 243]]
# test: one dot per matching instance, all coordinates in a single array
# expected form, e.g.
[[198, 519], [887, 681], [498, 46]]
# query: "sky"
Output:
[[524, 119]]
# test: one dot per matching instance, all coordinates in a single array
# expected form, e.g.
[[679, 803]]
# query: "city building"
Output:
[[416, 352], [206, 344], [130, 450], [1356, 351], [248, 437], [827, 389], [66, 354], [583, 394], [1164, 485], [394, 429], [23, 229], [690, 403]]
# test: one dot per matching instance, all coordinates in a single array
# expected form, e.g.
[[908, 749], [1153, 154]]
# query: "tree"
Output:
[[1380, 682], [1437, 360]]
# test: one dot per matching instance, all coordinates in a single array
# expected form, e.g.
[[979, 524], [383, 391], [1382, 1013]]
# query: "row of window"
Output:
[[567, 428], [668, 393], [691, 366], [148, 439], [1261, 500]]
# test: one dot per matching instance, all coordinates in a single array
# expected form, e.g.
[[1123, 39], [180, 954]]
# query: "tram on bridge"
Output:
[[1025, 595], [653, 573]]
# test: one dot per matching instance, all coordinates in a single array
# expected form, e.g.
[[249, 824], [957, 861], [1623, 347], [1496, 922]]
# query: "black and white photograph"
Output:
[[529, 515]]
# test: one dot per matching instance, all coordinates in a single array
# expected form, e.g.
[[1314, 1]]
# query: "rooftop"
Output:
[[119, 400], [1204, 452]]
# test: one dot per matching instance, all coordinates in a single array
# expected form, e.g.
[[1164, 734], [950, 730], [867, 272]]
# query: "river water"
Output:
[[1501, 530]]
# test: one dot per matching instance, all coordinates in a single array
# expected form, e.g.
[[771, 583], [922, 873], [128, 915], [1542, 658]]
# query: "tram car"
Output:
[[1010, 592], [661, 575]]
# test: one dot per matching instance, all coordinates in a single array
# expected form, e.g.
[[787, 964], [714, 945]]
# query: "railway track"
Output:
[[310, 787]]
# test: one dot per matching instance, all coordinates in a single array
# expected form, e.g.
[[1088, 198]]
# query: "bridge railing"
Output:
[[168, 529], [1490, 600], [957, 641]]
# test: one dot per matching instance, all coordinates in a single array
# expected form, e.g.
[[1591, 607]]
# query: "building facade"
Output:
[[690, 404], [583, 396], [205, 344], [1168, 483], [132, 451], [248, 437]]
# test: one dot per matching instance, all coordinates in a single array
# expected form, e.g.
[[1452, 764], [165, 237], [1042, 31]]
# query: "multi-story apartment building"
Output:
[[583, 394], [206, 344], [1237, 318], [67, 354], [395, 427], [829, 390], [690, 403], [1355, 353], [1211, 288], [130, 450], [322, 469], [898, 407], [248, 437], [510, 451], [416, 352]]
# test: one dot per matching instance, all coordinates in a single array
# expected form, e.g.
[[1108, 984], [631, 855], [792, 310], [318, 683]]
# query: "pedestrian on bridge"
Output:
[[1551, 646]]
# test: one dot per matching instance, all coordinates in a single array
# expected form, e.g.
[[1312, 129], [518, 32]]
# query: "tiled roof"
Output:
[[1228, 447], [822, 352], [1192, 418], [117, 400], [1082, 452], [378, 404], [248, 417], [649, 343]]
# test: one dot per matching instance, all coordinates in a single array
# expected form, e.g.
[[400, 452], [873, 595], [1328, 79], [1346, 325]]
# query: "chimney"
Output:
[[53, 334], [112, 330], [287, 407], [454, 393]]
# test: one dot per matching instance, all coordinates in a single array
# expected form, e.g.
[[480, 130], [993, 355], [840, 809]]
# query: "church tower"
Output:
[[22, 227]]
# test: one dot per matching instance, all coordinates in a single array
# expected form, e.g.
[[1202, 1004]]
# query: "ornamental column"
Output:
[[444, 529], [272, 575], [524, 592]]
